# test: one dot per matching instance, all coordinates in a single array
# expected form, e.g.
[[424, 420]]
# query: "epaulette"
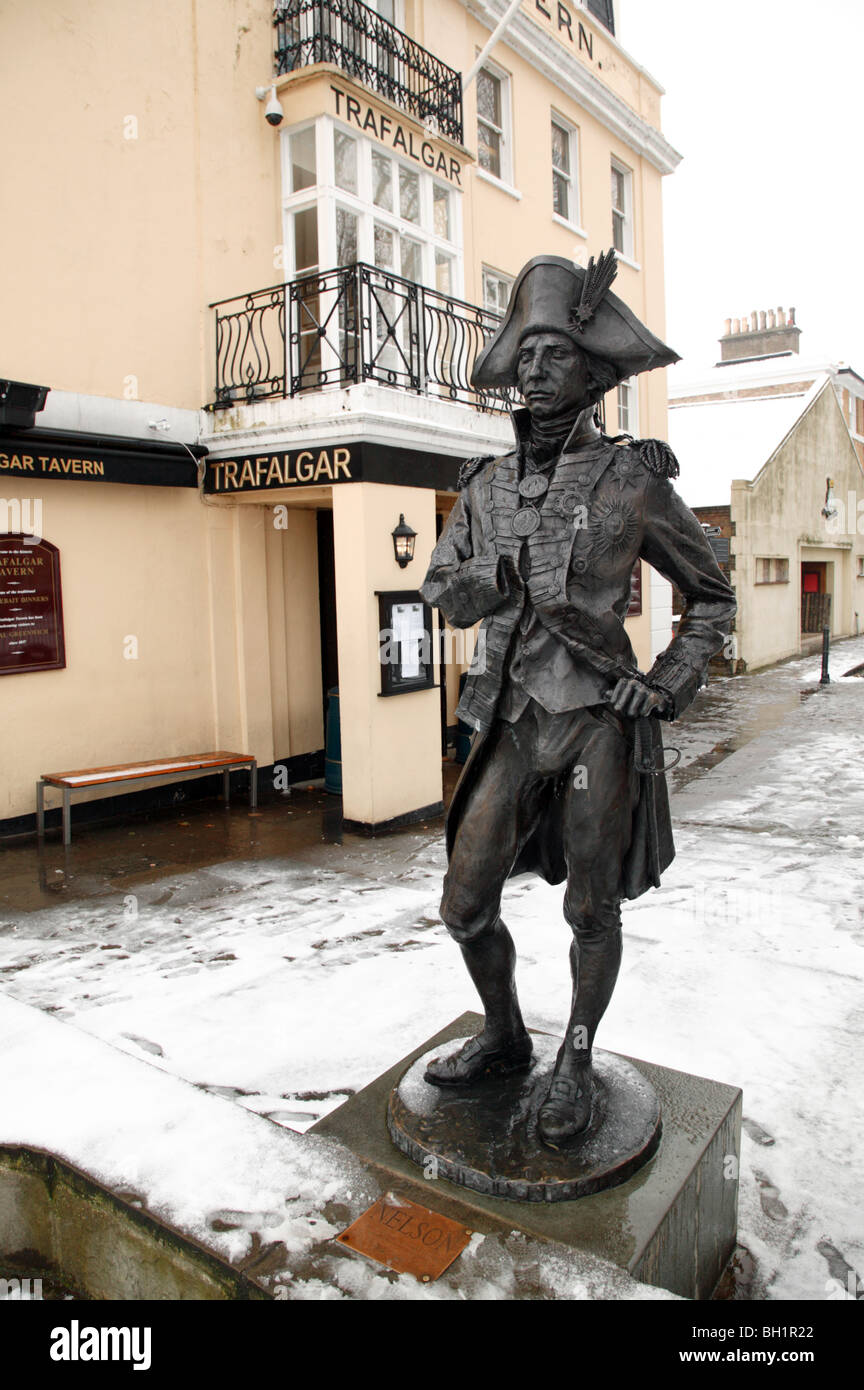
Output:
[[469, 467], [658, 458]]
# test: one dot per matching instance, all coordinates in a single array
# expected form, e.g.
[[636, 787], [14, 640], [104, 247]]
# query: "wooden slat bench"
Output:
[[69, 782]]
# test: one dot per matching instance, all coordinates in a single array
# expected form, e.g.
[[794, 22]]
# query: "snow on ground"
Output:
[[285, 988], [267, 1200]]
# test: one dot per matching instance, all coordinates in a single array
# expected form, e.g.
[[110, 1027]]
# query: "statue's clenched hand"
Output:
[[634, 698]]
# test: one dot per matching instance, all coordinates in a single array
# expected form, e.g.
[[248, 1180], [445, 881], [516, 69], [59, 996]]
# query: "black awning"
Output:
[[35, 454]]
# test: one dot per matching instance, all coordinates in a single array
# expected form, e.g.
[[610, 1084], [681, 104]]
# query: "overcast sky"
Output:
[[764, 101]]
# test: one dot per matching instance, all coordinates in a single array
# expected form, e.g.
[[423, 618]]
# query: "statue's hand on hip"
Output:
[[632, 697]]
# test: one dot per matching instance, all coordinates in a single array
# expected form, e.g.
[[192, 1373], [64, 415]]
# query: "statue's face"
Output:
[[552, 375]]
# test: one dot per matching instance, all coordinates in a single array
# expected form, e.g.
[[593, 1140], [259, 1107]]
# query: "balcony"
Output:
[[372, 51], [352, 324]]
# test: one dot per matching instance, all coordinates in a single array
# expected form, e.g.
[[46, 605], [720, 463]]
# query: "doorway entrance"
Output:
[[815, 598], [327, 605]]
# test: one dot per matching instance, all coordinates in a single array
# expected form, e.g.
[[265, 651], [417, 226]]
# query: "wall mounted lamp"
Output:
[[403, 542]]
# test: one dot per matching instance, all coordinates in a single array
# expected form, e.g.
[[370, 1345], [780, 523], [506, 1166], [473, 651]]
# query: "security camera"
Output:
[[273, 110]]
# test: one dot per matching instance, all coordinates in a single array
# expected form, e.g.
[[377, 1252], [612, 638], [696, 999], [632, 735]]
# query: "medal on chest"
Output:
[[525, 522], [527, 519]]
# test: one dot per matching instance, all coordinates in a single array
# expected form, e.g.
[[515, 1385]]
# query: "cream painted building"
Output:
[[770, 446], [257, 339]]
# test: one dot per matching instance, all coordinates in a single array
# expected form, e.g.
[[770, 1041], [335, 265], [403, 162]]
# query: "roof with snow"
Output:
[[696, 379], [717, 442]]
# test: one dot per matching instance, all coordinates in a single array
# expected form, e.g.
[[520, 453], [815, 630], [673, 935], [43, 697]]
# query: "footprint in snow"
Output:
[[840, 1269], [226, 1092], [145, 1044], [757, 1133], [226, 1219], [769, 1197]]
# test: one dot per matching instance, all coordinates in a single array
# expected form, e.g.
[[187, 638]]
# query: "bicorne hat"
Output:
[[554, 295]]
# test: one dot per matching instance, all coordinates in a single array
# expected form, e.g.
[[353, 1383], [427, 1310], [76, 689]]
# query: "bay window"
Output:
[[347, 199]]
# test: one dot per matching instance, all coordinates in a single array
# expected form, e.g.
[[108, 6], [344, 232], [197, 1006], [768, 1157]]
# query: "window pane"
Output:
[[496, 292], [489, 149], [412, 265], [618, 232], [382, 181], [303, 173], [441, 211], [306, 240], [443, 273], [489, 98], [602, 10], [346, 237], [384, 239], [560, 149], [618, 190], [624, 407], [409, 194], [560, 200], [345, 153]]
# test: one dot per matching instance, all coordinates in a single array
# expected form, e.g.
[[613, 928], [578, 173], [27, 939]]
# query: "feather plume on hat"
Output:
[[599, 275]]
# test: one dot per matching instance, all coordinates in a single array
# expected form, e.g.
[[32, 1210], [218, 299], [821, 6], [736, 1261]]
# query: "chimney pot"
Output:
[[765, 333]]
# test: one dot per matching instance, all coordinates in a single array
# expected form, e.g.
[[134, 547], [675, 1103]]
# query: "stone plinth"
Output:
[[671, 1224]]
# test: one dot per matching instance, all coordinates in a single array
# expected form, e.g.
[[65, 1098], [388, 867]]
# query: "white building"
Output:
[[771, 448]]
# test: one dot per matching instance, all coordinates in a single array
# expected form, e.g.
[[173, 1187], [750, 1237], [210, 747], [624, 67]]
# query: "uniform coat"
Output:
[[609, 503]]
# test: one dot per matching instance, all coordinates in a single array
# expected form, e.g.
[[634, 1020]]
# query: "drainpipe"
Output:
[[496, 34]]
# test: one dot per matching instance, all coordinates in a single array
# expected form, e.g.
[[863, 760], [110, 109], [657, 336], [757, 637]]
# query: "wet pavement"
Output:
[[305, 824]]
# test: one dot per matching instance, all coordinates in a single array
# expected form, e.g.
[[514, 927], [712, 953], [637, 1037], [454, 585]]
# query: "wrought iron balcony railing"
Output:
[[356, 323], [373, 51]]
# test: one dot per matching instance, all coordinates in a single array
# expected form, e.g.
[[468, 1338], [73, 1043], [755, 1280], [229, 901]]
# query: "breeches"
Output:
[[583, 760]]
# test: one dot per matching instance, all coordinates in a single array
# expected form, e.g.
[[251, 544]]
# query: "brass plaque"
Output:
[[407, 1238]]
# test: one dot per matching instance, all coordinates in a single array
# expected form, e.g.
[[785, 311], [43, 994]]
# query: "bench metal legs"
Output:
[[253, 784], [40, 813]]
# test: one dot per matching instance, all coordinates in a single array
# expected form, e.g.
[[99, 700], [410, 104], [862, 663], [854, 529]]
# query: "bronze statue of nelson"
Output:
[[565, 771]]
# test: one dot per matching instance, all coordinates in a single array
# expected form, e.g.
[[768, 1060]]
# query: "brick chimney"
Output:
[[766, 333]]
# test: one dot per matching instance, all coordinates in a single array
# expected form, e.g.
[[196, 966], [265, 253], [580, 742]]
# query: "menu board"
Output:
[[405, 638], [31, 608], [409, 631]]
